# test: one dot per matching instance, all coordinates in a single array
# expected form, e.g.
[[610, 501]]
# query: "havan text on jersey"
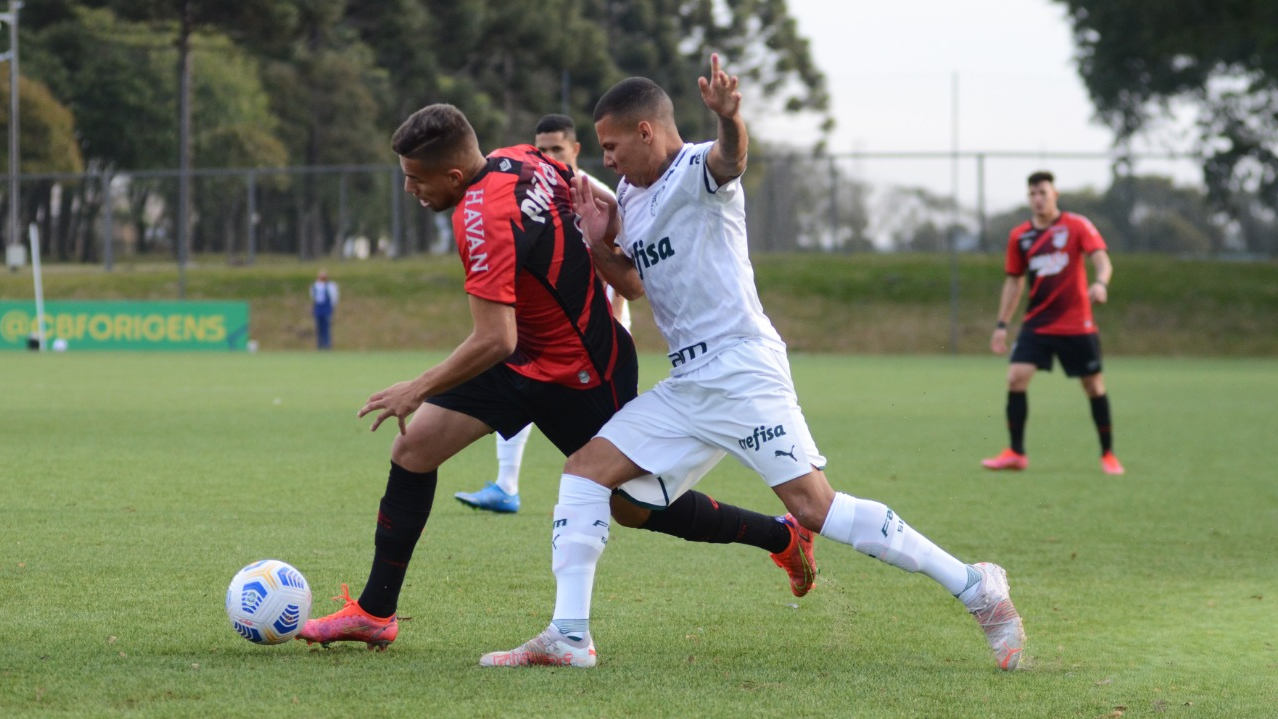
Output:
[[474, 220]]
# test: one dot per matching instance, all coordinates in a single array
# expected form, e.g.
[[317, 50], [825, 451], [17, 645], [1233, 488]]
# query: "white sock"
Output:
[[873, 529], [510, 455], [578, 537]]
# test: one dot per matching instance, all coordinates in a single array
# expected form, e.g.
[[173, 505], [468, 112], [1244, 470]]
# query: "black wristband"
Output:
[[1001, 325]]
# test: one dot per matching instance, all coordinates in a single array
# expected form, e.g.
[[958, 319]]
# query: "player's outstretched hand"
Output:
[[595, 212], [998, 341], [1098, 293], [719, 91], [399, 400]]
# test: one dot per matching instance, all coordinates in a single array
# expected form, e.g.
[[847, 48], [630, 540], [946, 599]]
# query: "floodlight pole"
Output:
[[11, 18], [184, 149], [953, 239]]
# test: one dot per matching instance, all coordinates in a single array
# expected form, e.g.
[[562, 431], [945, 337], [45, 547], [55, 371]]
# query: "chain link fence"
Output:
[[853, 202]]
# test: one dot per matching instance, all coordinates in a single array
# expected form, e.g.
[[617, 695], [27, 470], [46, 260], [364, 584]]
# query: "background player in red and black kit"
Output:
[[1049, 249], [544, 349]]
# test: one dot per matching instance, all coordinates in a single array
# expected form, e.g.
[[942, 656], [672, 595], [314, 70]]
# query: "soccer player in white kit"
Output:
[[679, 236]]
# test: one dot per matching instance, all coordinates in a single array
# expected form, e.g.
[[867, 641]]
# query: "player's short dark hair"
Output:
[[557, 123], [634, 99], [1042, 176], [435, 134]]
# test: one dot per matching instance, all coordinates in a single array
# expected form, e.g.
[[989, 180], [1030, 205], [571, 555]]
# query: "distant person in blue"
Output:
[[323, 302]]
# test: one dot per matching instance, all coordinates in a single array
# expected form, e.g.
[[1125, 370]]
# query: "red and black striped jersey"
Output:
[[1053, 259], [517, 236]]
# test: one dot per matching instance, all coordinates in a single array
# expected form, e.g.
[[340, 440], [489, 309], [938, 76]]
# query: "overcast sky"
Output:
[[891, 68]]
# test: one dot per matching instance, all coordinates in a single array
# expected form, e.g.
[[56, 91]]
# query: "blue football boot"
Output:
[[491, 498]]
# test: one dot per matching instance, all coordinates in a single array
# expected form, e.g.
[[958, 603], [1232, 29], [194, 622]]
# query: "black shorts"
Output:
[[508, 401], [1080, 355]]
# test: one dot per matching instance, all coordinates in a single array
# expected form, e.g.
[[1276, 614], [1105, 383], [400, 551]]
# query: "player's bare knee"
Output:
[[587, 461], [1018, 378], [602, 463], [409, 456]]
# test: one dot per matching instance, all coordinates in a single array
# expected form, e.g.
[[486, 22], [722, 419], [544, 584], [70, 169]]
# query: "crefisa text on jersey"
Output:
[[649, 255]]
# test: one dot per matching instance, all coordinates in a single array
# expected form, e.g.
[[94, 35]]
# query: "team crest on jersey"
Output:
[[1060, 236], [656, 198], [1027, 241]]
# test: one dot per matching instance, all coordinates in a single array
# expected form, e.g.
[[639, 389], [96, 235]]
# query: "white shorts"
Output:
[[741, 402]]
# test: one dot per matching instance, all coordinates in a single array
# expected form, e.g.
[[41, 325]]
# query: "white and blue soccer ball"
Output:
[[268, 602]]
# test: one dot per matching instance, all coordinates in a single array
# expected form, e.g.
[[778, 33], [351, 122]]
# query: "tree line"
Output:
[[309, 83], [274, 83]]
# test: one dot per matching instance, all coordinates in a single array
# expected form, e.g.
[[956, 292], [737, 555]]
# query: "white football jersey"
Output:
[[687, 238]]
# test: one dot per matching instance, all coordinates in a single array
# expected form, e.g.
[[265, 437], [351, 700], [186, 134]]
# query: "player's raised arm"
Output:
[[727, 159]]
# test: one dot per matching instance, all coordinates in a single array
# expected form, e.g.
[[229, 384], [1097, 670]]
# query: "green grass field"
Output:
[[135, 485]]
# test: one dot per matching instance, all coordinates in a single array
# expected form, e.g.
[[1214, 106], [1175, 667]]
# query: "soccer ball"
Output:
[[268, 602]]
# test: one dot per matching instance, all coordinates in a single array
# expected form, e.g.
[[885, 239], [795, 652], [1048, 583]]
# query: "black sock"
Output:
[[400, 520], [1017, 413], [1100, 415], [696, 517]]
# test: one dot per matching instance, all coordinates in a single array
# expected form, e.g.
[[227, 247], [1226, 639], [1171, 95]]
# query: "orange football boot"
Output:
[[798, 558], [1007, 459], [1110, 464], [351, 624]]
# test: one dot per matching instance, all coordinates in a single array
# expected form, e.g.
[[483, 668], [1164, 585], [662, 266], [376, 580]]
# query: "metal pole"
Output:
[[954, 182], [38, 274], [184, 147], [11, 17], [341, 216], [834, 205], [108, 224], [980, 202], [251, 215], [396, 231]]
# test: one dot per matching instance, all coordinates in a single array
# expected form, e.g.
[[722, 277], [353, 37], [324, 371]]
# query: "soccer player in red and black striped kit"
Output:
[[1049, 249], [544, 349]]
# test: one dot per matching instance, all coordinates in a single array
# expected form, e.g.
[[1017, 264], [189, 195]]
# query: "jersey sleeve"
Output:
[[486, 242], [1089, 237], [1014, 264], [706, 181]]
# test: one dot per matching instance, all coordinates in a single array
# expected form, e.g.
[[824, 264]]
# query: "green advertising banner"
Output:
[[128, 325]]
